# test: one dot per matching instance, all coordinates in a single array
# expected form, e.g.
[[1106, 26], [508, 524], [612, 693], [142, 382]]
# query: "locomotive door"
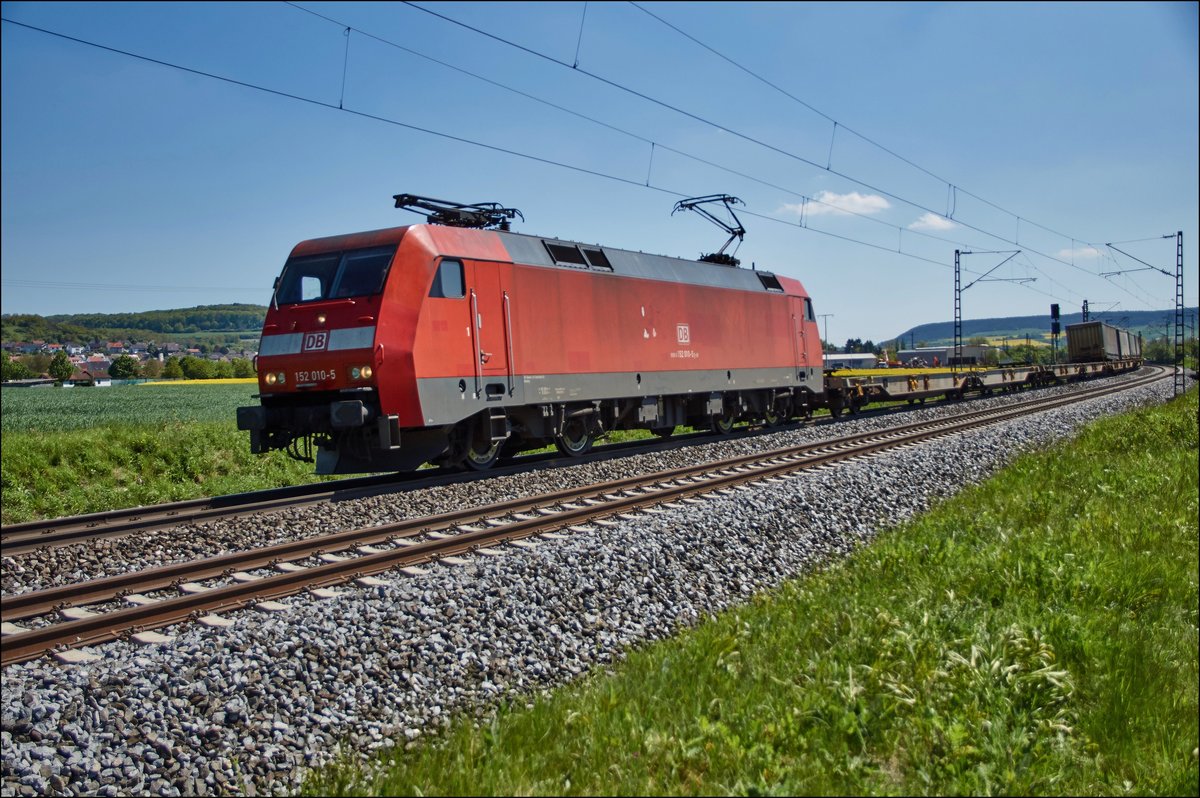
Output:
[[491, 330], [797, 311]]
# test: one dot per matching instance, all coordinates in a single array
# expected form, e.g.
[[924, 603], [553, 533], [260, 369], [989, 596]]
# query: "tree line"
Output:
[[126, 367], [82, 327]]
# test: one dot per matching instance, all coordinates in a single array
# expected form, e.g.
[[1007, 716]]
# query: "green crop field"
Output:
[[85, 450], [59, 409]]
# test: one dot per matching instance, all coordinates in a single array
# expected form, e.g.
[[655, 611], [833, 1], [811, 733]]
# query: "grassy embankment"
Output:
[[1035, 635], [84, 450], [81, 450]]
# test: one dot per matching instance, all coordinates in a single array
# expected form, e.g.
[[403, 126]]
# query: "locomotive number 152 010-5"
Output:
[[316, 375]]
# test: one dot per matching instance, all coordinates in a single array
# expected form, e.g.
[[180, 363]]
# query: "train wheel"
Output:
[[772, 417], [722, 424], [576, 440], [664, 432], [477, 459]]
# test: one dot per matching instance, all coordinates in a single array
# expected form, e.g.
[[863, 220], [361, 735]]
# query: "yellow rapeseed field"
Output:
[[229, 381]]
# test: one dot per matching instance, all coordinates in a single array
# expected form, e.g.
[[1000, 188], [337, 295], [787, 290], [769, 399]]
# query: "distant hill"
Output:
[[239, 320], [1150, 323]]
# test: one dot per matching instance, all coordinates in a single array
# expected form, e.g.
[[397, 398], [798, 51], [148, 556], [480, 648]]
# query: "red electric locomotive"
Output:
[[458, 344]]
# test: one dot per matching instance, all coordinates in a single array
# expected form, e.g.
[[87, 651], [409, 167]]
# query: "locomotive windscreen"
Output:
[[334, 275]]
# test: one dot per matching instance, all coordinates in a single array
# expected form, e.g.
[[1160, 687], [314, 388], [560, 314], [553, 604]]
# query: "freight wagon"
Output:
[[1093, 341]]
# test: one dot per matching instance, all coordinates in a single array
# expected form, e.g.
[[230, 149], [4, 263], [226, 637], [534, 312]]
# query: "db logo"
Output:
[[315, 341], [682, 334]]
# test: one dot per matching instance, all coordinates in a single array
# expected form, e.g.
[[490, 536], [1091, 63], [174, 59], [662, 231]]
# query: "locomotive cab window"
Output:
[[448, 283], [363, 272], [334, 275]]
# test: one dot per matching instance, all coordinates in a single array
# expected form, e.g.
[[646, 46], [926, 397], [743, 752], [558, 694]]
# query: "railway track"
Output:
[[359, 554], [52, 532], [28, 536]]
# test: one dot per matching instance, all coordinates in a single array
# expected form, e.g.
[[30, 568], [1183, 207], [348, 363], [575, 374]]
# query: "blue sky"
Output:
[[891, 134]]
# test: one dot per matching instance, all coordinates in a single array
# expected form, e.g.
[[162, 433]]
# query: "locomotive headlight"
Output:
[[361, 372], [367, 372], [271, 379]]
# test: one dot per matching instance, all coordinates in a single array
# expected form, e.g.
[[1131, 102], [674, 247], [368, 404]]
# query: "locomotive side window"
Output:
[[334, 275], [448, 283], [808, 310]]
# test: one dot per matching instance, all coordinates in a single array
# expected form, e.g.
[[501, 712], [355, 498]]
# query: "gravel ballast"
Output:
[[246, 709]]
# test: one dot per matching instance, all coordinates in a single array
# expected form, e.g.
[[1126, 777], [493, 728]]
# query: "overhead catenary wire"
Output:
[[579, 41], [653, 144], [835, 122], [467, 141], [952, 189], [658, 145], [744, 136], [330, 106]]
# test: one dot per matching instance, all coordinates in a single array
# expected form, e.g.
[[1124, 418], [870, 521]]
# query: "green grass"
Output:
[[1036, 634], [83, 450]]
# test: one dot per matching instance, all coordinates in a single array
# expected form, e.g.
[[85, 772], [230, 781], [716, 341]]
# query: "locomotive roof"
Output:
[[563, 254], [534, 250]]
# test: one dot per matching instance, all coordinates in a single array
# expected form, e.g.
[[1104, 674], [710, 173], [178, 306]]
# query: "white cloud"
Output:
[[826, 202], [1080, 253], [931, 221]]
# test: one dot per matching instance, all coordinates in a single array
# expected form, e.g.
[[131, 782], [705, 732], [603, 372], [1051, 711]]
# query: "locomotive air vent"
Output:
[[576, 256], [570, 255], [769, 281], [596, 258]]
